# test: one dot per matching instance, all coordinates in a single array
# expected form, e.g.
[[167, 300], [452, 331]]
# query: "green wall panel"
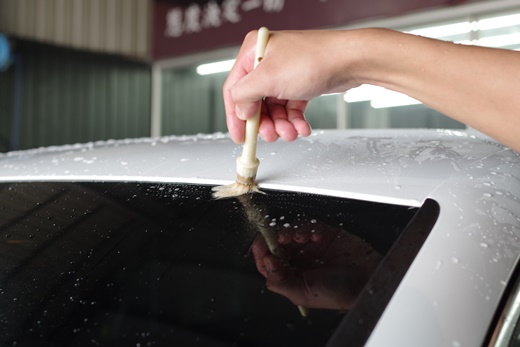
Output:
[[191, 103], [71, 96]]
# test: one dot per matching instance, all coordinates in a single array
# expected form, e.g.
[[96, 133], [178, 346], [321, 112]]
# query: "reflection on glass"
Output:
[[312, 263], [156, 264]]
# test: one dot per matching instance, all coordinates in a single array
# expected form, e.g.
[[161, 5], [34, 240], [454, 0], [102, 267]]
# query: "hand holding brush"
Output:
[[247, 164]]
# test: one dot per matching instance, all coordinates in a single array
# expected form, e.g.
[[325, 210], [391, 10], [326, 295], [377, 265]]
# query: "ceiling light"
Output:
[[499, 22], [389, 98], [444, 30], [500, 40], [364, 92], [212, 68], [379, 97]]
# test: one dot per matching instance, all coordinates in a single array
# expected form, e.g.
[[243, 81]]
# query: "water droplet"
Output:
[[438, 264], [484, 245], [455, 260]]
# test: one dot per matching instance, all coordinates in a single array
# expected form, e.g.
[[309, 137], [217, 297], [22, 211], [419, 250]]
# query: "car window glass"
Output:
[[145, 264]]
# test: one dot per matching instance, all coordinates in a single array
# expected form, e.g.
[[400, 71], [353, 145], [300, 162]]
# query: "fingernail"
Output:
[[239, 113], [267, 264], [270, 266]]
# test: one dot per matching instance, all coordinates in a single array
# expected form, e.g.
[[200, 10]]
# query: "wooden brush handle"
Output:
[[252, 124]]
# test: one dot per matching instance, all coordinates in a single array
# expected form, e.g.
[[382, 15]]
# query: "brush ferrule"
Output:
[[247, 169]]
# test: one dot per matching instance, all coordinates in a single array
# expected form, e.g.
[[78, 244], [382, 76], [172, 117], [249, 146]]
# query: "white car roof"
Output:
[[396, 166]]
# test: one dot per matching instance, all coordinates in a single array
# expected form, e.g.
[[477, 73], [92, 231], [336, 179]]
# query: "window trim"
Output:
[[507, 315], [376, 295]]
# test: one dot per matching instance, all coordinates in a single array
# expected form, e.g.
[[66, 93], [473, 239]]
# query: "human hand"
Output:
[[297, 66], [323, 267]]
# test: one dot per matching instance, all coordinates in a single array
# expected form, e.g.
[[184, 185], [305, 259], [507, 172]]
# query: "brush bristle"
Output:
[[233, 190]]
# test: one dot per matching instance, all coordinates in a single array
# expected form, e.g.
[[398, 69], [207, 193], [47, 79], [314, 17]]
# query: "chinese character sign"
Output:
[[204, 25], [195, 18]]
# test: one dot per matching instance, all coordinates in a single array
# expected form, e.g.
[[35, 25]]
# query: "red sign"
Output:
[[206, 25]]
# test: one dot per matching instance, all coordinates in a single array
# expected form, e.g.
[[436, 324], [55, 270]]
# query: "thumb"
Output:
[[275, 270], [247, 110], [248, 93]]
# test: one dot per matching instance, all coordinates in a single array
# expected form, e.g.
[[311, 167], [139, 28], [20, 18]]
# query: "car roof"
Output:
[[395, 166], [451, 291]]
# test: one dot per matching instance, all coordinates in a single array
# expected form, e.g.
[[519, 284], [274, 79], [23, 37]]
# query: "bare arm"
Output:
[[474, 85]]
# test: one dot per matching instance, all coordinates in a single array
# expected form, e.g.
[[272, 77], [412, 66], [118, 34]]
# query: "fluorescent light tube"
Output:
[[212, 68], [499, 40], [389, 98], [499, 22], [364, 92], [379, 97], [444, 30]]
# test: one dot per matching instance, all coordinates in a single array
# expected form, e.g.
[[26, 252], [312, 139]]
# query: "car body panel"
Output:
[[473, 247], [450, 293], [399, 167]]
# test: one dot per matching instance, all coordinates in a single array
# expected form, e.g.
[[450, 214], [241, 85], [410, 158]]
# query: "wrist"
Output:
[[370, 56]]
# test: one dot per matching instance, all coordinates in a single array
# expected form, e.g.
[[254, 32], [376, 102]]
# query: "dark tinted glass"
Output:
[[128, 264]]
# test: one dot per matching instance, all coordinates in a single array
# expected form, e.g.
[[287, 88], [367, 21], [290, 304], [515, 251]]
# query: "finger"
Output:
[[295, 115], [299, 234], [242, 67], [301, 237], [316, 236], [290, 286], [276, 271], [313, 230], [288, 118], [267, 129], [260, 250], [236, 127], [285, 237], [247, 91], [278, 114]]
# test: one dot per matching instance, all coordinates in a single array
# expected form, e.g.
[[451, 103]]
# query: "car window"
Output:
[[145, 264]]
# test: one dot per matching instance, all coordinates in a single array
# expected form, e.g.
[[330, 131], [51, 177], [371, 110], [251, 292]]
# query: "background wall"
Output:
[[110, 26], [52, 95], [69, 96], [191, 103]]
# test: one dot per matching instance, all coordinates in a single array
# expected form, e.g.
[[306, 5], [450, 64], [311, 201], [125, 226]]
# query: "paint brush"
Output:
[[247, 164]]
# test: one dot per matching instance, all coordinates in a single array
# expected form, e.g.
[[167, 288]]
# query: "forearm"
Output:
[[474, 85]]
